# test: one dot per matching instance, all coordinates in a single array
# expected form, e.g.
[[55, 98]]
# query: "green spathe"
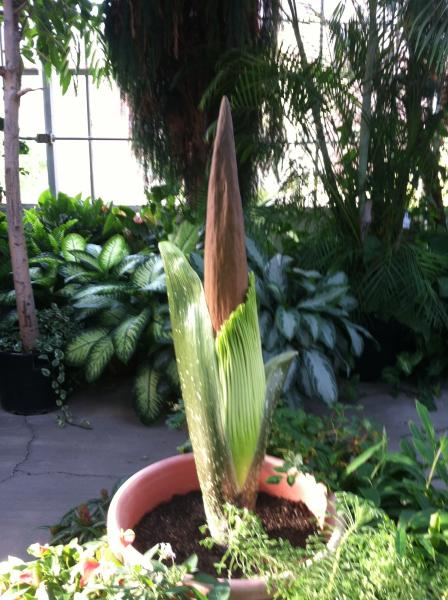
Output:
[[228, 393], [243, 383]]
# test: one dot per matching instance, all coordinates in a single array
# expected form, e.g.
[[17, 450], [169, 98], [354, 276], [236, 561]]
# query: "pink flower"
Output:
[[137, 218], [88, 569], [29, 578]]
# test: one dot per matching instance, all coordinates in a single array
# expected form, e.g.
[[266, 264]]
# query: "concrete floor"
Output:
[[45, 470]]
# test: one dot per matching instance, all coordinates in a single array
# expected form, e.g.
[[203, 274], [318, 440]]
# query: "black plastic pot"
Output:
[[24, 390]]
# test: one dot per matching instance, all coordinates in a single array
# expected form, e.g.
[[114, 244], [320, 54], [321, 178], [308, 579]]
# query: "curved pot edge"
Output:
[[248, 589]]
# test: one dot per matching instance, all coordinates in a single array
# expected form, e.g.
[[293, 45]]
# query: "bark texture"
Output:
[[225, 264], [19, 258]]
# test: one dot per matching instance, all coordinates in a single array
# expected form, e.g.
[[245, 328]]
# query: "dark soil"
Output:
[[177, 522]]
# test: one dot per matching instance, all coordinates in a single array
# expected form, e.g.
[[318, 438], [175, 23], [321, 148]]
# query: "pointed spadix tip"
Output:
[[224, 124], [225, 262]]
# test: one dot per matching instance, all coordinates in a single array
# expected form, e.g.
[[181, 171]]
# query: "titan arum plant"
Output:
[[229, 393]]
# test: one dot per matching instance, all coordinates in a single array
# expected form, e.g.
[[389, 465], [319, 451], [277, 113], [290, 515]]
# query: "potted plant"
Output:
[[45, 31], [229, 393], [33, 383]]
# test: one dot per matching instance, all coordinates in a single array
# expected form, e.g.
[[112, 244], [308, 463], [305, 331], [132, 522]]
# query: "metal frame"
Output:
[[49, 138]]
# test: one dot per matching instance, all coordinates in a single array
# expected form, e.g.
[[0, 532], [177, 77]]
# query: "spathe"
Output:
[[225, 264]]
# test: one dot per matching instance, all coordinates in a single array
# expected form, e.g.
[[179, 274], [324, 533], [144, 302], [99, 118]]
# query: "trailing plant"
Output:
[[177, 49], [310, 313], [56, 329], [90, 570], [366, 565], [229, 394]]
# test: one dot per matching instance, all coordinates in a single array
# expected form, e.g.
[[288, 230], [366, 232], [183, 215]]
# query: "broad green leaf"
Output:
[[105, 289], [186, 237], [148, 401], [254, 254], [276, 371], [129, 263], [337, 279], [275, 271], [94, 250], [113, 316], [113, 252], [348, 303], [86, 259], [127, 335], [311, 322], [194, 345], [356, 340], [149, 276], [321, 375], [286, 321], [307, 274], [327, 333], [322, 300], [92, 301], [79, 348], [73, 241], [72, 271], [99, 356]]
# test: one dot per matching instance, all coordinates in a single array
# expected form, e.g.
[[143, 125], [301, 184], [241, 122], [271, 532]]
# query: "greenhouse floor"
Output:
[[46, 470]]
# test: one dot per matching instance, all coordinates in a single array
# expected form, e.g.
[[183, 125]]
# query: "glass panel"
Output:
[[31, 114], [35, 180], [110, 117], [69, 110], [118, 176], [72, 167]]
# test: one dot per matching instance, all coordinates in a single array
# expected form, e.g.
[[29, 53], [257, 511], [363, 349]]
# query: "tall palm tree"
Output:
[[164, 53]]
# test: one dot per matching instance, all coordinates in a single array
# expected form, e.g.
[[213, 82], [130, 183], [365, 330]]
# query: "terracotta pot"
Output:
[[159, 482]]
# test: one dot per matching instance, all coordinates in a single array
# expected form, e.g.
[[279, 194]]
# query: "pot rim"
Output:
[[132, 556]]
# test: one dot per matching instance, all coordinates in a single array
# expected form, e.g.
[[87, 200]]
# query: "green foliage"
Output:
[[325, 443], [310, 313], [86, 522], [89, 570], [58, 33], [89, 215], [56, 329], [121, 299], [410, 485], [366, 564]]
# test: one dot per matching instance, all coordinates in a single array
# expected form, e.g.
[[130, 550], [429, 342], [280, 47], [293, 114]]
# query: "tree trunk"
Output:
[[19, 258], [365, 208]]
